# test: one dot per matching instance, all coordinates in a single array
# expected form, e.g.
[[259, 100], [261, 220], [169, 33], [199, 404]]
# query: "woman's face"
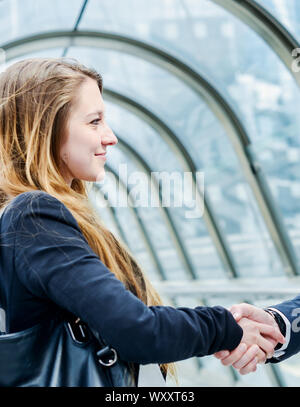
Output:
[[87, 135]]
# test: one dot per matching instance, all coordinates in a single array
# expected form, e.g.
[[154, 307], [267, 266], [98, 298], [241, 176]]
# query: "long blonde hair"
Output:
[[35, 99]]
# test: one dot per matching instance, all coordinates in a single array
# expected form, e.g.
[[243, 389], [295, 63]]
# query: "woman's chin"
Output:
[[100, 176]]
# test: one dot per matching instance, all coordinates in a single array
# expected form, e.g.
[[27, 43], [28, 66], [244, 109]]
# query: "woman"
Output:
[[56, 254]]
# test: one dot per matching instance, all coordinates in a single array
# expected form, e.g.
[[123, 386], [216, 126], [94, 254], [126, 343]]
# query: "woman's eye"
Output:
[[96, 121]]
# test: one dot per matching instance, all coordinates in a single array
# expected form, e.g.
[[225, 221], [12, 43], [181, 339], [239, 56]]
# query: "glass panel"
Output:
[[263, 92], [151, 217], [19, 18], [160, 159], [53, 52], [125, 218]]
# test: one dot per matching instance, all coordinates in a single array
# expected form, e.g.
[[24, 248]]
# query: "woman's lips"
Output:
[[103, 156]]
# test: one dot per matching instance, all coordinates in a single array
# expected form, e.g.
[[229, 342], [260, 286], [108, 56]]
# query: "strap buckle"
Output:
[[107, 356], [107, 352], [78, 331]]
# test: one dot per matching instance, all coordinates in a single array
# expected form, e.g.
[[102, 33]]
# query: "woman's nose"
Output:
[[109, 138]]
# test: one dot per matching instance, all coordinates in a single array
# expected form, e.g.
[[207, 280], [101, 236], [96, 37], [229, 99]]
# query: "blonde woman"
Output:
[[56, 253]]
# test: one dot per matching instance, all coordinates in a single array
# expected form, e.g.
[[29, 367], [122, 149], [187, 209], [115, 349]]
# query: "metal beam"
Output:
[[139, 221], [188, 165], [235, 289], [95, 192], [79, 18], [166, 215]]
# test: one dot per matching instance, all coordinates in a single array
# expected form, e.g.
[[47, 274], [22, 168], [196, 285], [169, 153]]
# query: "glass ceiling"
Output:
[[190, 87]]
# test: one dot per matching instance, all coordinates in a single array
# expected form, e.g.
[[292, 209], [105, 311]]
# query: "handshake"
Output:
[[261, 334]]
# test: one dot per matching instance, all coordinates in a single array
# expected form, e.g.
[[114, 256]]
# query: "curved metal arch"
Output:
[[139, 221], [95, 192], [266, 26], [188, 165], [215, 101], [180, 248]]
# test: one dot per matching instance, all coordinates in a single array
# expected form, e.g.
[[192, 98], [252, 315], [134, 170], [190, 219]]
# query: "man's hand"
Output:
[[256, 314], [261, 335]]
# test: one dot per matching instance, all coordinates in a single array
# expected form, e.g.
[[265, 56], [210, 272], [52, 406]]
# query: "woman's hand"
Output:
[[257, 344]]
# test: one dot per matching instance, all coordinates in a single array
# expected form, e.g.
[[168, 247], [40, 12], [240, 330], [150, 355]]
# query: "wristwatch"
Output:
[[280, 322]]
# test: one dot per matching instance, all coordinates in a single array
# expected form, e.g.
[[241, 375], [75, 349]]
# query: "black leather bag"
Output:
[[60, 353]]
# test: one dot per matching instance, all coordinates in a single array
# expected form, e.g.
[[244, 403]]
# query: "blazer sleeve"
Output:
[[53, 260], [290, 313]]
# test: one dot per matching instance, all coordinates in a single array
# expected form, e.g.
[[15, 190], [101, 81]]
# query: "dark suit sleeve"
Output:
[[290, 314], [54, 261]]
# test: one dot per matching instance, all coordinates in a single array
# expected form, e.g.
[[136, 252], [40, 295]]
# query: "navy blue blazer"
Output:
[[47, 265]]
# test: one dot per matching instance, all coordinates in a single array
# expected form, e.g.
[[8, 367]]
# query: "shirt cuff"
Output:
[[281, 351]]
